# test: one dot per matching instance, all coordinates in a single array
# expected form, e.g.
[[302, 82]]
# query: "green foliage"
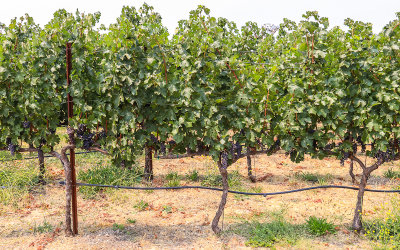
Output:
[[44, 228], [107, 175], [315, 85], [18, 177], [173, 179], [193, 175], [131, 221], [314, 178], [278, 230], [172, 176], [255, 189], [391, 174], [167, 209], [310, 86], [385, 229], [268, 234], [141, 205], [118, 227], [18, 182], [317, 226], [215, 180], [173, 183]]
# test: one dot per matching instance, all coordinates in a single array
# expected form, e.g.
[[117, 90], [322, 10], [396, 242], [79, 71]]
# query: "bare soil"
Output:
[[181, 219]]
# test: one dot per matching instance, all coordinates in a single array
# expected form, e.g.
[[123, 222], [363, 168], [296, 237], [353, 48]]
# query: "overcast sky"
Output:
[[377, 12]]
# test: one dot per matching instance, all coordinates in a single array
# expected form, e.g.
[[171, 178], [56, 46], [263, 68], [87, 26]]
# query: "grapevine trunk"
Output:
[[148, 164], [42, 169], [249, 169], [222, 166]]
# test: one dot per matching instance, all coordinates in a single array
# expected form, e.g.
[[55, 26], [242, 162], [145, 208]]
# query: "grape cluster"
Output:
[[363, 147], [102, 134], [200, 147], [330, 146], [12, 148], [386, 156], [315, 144], [345, 157], [85, 135], [87, 140], [311, 131], [354, 148], [236, 150], [81, 130], [163, 149], [154, 139], [43, 141], [26, 124], [276, 146]]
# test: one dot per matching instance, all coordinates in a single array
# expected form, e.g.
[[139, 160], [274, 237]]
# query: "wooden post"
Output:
[[72, 151]]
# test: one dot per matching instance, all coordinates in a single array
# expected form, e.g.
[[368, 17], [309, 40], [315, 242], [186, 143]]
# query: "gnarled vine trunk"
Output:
[[357, 220], [68, 179], [249, 169], [353, 177], [366, 172], [223, 169], [68, 186], [42, 170], [148, 164]]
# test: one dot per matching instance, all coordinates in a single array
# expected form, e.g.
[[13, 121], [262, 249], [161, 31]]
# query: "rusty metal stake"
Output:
[[72, 151]]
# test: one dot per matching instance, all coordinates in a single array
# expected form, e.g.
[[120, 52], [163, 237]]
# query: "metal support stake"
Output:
[[72, 151]]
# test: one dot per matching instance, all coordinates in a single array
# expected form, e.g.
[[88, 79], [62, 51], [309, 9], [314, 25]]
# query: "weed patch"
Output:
[[107, 175], [317, 226], [314, 178], [268, 234], [141, 205], [385, 231], [17, 182], [193, 175], [173, 179], [215, 180], [392, 174], [131, 221], [44, 228], [172, 176], [118, 227], [167, 209]]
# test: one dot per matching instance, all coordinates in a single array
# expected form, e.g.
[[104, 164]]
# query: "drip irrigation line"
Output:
[[231, 191]]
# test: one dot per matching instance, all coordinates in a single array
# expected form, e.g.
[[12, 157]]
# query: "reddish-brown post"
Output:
[[72, 151]]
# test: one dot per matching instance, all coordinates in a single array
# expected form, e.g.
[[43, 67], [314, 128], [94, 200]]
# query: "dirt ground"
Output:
[[186, 224]]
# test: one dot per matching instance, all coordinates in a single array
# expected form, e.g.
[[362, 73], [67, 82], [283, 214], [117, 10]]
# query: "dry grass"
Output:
[[181, 219]]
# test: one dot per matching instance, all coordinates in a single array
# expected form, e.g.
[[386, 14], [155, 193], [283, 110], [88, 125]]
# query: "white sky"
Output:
[[377, 12]]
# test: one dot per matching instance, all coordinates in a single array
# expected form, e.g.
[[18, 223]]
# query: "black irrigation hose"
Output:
[[47, 156], [235, 192]]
